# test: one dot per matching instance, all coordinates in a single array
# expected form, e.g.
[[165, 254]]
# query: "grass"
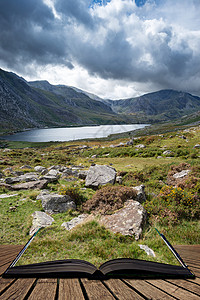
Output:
[[92, 241]]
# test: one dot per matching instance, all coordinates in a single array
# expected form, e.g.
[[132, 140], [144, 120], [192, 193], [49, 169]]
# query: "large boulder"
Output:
[[100, 175], [40, 219], [55, 203], [128, 220]]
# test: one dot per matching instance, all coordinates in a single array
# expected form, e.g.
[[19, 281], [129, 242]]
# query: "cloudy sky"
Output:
[[114, 49]]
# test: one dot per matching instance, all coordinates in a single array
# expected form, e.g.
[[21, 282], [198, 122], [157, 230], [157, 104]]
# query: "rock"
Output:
[[94, 156], [53, 172], [183, 137], [55, 203], [49, 178], [100, 175], [167, 152], [40, 169], [12, 208], [70, 172], [196, 146], [129, 143], [128, 220], [40, 219], [181, 174], [74, 222], [26, 167], [119, 179], [3, 196], [148, 250], [39, 184], [140, 146], [141, 197], [26, 177], [82, 174]]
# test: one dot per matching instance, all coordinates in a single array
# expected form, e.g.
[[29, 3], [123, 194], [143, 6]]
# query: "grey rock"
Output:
[[74, 222], [140, 146], [49, 178], [39, 184], [55, 203], [100, 175], [128, 220], [141, 197], [26, 167], [26, 177], [181, 174], [148, 250], [40, 219], [167, 152], [39, 169], [3, 196], [82, 174], [129, 143], [196, 146], [119, 179]]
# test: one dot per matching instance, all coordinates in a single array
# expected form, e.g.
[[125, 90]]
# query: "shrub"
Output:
[[173, 204], [109, 198], [75, 193]]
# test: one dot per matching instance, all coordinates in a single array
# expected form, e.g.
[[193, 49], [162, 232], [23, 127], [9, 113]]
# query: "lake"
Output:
[[71, 133]]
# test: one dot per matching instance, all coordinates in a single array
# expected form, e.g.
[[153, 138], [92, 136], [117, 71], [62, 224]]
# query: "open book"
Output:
[[116, 268]]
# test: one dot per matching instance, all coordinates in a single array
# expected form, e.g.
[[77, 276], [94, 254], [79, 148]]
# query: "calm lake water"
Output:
[[71, 133]]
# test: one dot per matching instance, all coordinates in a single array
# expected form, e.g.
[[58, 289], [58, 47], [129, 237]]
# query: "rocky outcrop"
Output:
[[26, 177], [100, 175], [74, 222], [55, 203], [40, 219], [39, 184], [128, 220]]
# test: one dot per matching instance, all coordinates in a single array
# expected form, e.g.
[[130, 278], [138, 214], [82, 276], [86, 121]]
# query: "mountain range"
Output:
[[39, 104]]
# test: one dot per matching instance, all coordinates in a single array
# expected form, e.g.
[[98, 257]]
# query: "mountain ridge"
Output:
[[39, 104]]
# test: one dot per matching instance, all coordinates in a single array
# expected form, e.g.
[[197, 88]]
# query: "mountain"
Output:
[[158, 106], [40, 104]]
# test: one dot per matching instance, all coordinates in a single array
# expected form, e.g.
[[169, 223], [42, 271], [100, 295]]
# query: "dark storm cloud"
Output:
[[29, 33]]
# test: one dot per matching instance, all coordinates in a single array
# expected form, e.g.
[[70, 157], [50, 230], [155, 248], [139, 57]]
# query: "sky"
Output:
[[115, 49]]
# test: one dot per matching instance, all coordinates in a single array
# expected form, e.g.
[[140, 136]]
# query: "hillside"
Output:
[[39, 104], [158, 106], [24, 105]]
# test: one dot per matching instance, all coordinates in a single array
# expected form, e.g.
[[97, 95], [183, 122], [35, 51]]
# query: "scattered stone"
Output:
[[39, 169], [82, 174], [183, 137], [128, 220], [39, 184], [196, 146], [148, 250], [3, 196], [167, 152], [141, 197], [40, 219], [12, 208], [49, 178], [181, 174], [129, 143], [74, 222], [26, 177], [26, 167], [119, 179], [140, 146], [100, 175], [55, 203]]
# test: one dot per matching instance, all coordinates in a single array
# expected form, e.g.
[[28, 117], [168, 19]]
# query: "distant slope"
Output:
[[161, 106], [24, 105]]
